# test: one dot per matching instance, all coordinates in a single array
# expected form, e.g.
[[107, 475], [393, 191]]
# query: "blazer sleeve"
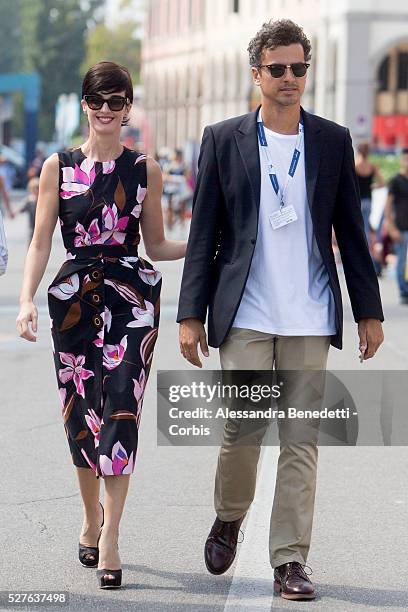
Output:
[[361, 279], [201, 246]]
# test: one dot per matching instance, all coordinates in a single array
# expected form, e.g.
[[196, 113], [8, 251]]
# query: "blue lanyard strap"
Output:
[[268, 159]]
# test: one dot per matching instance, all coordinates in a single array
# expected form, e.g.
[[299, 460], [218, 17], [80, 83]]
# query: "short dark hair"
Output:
[[404, 151], [280, 33], [108, 77]]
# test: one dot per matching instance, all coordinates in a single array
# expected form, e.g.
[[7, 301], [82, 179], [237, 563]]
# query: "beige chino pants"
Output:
[[235, 480]]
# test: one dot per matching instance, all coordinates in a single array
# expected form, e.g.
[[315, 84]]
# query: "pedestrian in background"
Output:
[[369, 177], [396, 219], [30, 205], [5, 198]]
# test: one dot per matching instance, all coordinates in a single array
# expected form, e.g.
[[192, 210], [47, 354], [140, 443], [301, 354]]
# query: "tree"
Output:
[[57, 49], [117, 45]]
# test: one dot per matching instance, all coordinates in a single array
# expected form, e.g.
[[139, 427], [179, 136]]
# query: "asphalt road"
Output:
[[359, 539]]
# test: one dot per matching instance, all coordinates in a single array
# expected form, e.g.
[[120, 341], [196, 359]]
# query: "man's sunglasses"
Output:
[[115, 103], [278, 70]]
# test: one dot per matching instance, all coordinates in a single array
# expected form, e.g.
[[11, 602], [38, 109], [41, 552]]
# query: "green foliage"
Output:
[[389, 165], [116, 45]]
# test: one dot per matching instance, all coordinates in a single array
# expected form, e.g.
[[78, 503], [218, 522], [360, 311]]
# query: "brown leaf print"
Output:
[[72, 317], [123, 414], [67, 408], [82, 434], [120, 196], [88, 285], [157, 307]]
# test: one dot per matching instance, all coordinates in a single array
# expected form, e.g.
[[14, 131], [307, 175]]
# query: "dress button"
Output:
[[96, 298], [97, 321], [253, 240], [96, 275]]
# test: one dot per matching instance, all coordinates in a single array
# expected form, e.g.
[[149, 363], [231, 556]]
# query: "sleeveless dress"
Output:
[[104, 306]]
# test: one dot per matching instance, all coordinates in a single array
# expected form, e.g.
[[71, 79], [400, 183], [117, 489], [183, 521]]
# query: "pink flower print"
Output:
[[66, 289], [114, 353], [107, 319], [148, 276], [70, 255], [139, 387], [143, 317], [94, 424], [141, 193], [75, 371], [137, 209], [99, 339], [113, 227], [119, 464], [77, 180], [87, 238], [127, 261], [108, 167], [89, 462], [63, 396], [140, 159]]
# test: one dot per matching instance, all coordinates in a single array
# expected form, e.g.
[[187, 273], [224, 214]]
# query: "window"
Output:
[[402, 70], [383, 74]]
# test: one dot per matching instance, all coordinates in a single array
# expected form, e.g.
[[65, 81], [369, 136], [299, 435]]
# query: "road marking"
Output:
[[252, 584]]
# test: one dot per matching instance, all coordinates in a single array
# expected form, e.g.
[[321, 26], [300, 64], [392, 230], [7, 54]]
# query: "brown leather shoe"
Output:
[[221, 545], [291, 582]]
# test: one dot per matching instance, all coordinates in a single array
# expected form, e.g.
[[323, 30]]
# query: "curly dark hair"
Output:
[[282, 32]]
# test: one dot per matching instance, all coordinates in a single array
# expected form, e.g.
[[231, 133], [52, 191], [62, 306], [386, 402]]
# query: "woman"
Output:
[[103, 302], [369, 178]]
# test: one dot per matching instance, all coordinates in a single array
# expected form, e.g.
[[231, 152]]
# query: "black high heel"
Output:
[[85, 551], [109, 583]]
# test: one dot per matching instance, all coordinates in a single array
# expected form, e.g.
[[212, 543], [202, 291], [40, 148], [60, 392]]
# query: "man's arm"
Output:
[[201, 246], [361, 279]]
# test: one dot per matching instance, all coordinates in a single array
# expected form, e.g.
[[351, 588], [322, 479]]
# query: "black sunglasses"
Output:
[[278, 70], [115, 103]]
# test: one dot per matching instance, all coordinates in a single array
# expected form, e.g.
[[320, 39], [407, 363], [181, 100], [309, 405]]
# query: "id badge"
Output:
[[283, 216]]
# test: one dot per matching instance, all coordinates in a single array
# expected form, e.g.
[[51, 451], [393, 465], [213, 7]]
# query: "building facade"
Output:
[[195, 65]]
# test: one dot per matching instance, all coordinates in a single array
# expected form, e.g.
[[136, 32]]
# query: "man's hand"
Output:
[[371, 337], [192, 332]]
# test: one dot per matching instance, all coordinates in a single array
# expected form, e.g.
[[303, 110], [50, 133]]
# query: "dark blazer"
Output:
[[225, 219]]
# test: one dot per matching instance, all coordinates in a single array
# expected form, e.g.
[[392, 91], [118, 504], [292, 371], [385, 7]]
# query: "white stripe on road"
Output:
[[252, 584]]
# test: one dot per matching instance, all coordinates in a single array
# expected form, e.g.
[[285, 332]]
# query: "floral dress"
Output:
[[104, 306]]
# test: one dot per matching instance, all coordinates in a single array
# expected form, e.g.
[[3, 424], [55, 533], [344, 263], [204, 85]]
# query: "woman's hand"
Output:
[[28, 316]]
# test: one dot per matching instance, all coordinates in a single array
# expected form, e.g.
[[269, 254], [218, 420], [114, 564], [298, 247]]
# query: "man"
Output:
[[396, 217], [271, 186]]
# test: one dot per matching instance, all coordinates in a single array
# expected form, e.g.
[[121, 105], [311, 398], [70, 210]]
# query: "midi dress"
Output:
[[104, 306]]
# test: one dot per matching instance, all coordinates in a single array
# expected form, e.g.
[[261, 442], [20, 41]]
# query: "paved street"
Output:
[[359, 544]]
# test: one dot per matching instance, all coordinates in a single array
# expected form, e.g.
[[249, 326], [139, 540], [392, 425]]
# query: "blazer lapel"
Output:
[[247, 141], [313, 145], [246, 137]]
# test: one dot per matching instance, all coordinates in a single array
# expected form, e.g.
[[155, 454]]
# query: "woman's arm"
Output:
[[151, 220], [40, 247]]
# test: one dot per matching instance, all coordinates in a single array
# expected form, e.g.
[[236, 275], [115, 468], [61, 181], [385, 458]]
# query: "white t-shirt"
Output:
[[287, 291]]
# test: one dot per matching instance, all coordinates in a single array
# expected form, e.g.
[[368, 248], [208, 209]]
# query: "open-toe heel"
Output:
[[105, 580], [89, 555]]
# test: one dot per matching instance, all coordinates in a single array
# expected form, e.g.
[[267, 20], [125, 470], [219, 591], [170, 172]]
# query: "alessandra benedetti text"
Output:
[[270, 413]]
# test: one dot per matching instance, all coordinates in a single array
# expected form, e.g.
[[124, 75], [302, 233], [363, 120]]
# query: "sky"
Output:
[[114, 15]]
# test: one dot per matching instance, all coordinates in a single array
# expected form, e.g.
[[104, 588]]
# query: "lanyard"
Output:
[[267, 155]]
